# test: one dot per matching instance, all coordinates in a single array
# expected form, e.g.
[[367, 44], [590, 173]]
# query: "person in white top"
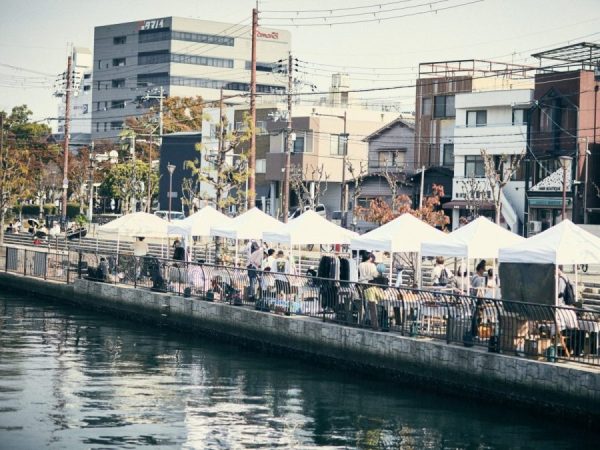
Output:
[[140, 247], [367, 270], [440, 275], [269, 261]]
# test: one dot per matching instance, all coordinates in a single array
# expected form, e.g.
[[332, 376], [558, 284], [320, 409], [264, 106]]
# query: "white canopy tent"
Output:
[[309, 228], [479, 239], [199, 223], [565, 243], [249, 225], [403, 234], [138, 224]]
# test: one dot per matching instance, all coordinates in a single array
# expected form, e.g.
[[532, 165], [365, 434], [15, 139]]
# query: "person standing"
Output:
[[178, 251], [440, 275], [254, 263], [140, 247], [367, 270]]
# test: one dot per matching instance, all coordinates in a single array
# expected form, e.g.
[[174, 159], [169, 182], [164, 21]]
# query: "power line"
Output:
[[379, 19]]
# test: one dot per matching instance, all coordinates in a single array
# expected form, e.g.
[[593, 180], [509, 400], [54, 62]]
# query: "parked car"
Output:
[[175, 215], [319, 209]]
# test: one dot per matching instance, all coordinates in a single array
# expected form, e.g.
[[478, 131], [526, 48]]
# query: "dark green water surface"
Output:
[[72, 378]]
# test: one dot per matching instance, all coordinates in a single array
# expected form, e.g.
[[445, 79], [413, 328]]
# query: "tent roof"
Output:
[[249, 225], [199, 223], [136, 224], [565, 243], [403, 234], [309, 228], [479, 239]]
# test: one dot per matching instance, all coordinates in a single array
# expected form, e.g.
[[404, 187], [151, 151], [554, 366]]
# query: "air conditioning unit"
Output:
[[535, 226]]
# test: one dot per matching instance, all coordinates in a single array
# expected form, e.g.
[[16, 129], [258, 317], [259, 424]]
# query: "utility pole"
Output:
[[252, 154], [344, 157], [132, 151], [285, 193], [91, 198], [65, 185], [160, 113], [148, 189], [422, 187]]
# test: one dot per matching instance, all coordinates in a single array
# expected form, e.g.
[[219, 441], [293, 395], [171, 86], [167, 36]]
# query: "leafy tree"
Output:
[[380, 212], [179, 114], [24, 153], [126, 181]]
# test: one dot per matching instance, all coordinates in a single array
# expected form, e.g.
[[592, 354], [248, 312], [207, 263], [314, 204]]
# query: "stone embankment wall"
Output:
[[557, 388]]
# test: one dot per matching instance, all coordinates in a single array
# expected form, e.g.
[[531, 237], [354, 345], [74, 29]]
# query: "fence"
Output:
[[517, 328]]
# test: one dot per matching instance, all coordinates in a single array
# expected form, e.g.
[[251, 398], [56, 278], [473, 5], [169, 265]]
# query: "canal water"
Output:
[[72, 378]]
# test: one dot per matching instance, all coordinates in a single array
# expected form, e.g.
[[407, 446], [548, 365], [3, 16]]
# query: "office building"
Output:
[[186, 57]]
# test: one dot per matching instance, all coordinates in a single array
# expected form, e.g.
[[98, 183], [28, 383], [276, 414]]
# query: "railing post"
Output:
[[25, 262], [6, 259], [68, 266], [135, 271], [79, 261]]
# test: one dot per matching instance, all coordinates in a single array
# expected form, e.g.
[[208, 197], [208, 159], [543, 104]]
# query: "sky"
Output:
[[36, 34]]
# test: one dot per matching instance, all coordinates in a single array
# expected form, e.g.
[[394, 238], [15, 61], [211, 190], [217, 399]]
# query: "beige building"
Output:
[[319, 144]]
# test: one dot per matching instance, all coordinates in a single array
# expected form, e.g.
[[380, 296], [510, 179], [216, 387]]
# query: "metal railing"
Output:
[[524, 329]]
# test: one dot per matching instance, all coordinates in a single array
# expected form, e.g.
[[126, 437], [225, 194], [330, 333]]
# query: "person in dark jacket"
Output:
[[178, 251]]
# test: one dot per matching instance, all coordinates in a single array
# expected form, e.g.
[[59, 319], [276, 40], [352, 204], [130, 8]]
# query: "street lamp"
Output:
[[171, 169], [565, 162]]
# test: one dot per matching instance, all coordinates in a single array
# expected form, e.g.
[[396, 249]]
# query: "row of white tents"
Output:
[[564, 243]]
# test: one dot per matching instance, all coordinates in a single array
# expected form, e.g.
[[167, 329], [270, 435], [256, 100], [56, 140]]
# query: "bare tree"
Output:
[[395, 177], [499, 169], [358, 175], [474, 191], [225, 169], [301, 180]]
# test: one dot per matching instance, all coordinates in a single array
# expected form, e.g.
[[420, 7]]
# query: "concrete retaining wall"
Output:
[[556, 388]]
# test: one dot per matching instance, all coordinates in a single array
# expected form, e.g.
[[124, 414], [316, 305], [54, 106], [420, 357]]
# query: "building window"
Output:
[[448, 155], [476, 118], [117, 104], [263, 67], [474, 167], [203, 38], [392, 158], [519, 116], [86, 88], [154, 35], [227, 85], [298, 143], [261, 128], [156, 57], [443, 106], [119, 40], [153, 79], [426, 106], [116, 125], [105, 126], [199, 60], [99, 64], [118, 62], [97, 127], [261, 166], [118, 83]]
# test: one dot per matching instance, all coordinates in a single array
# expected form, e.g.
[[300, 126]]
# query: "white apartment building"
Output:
[[81, 100], [497, 122]]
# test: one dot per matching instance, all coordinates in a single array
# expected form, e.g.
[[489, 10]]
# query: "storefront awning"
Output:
[[547, 202], [463, 204]]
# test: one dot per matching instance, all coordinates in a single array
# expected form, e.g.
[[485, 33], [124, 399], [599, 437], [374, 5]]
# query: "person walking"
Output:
[[440, 275]]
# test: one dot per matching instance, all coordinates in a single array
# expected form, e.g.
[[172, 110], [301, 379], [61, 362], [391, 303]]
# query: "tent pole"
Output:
[[391, 264], [236, 251], [576, 284]]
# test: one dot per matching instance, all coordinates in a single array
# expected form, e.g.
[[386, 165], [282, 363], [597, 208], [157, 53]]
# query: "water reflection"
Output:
[[71, 378]]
